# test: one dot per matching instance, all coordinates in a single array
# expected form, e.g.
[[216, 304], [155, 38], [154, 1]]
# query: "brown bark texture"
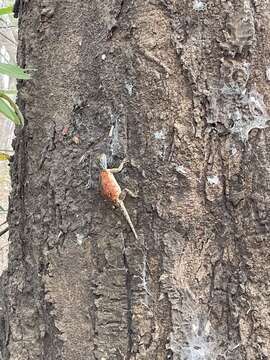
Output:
[[180, 88]]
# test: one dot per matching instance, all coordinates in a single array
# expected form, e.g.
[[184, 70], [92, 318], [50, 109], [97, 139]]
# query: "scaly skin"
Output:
[[109, 186], [111, 190]]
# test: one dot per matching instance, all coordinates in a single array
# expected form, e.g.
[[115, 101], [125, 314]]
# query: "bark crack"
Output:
[[129, 303]]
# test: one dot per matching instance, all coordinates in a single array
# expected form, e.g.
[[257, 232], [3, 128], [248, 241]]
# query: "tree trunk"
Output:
[[180, 89]]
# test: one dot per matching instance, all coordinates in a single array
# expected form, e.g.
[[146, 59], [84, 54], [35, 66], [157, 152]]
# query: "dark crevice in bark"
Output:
[[120, 11], [52, 345], [4, 323], [93, 317], [254, 6], [115, 27], [129, 304]]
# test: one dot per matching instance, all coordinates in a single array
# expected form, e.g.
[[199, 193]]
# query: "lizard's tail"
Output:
[[125, 213]]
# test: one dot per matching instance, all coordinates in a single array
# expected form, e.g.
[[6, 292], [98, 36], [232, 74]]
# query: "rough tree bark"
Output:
[[180, 88]]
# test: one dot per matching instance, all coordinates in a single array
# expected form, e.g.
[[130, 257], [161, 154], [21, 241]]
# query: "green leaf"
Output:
[[6, 10], [19, 120], [6, 110], [8, 92], [4, 156], [14, 71]]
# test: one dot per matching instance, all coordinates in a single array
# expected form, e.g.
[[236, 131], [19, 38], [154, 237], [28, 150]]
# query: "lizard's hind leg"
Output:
[[124, 193]]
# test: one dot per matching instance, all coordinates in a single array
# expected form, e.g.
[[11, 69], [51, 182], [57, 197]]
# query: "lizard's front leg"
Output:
[[119, 168]]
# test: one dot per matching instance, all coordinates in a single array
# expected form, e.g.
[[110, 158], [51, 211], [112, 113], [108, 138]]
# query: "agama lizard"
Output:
[[111, 190]]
